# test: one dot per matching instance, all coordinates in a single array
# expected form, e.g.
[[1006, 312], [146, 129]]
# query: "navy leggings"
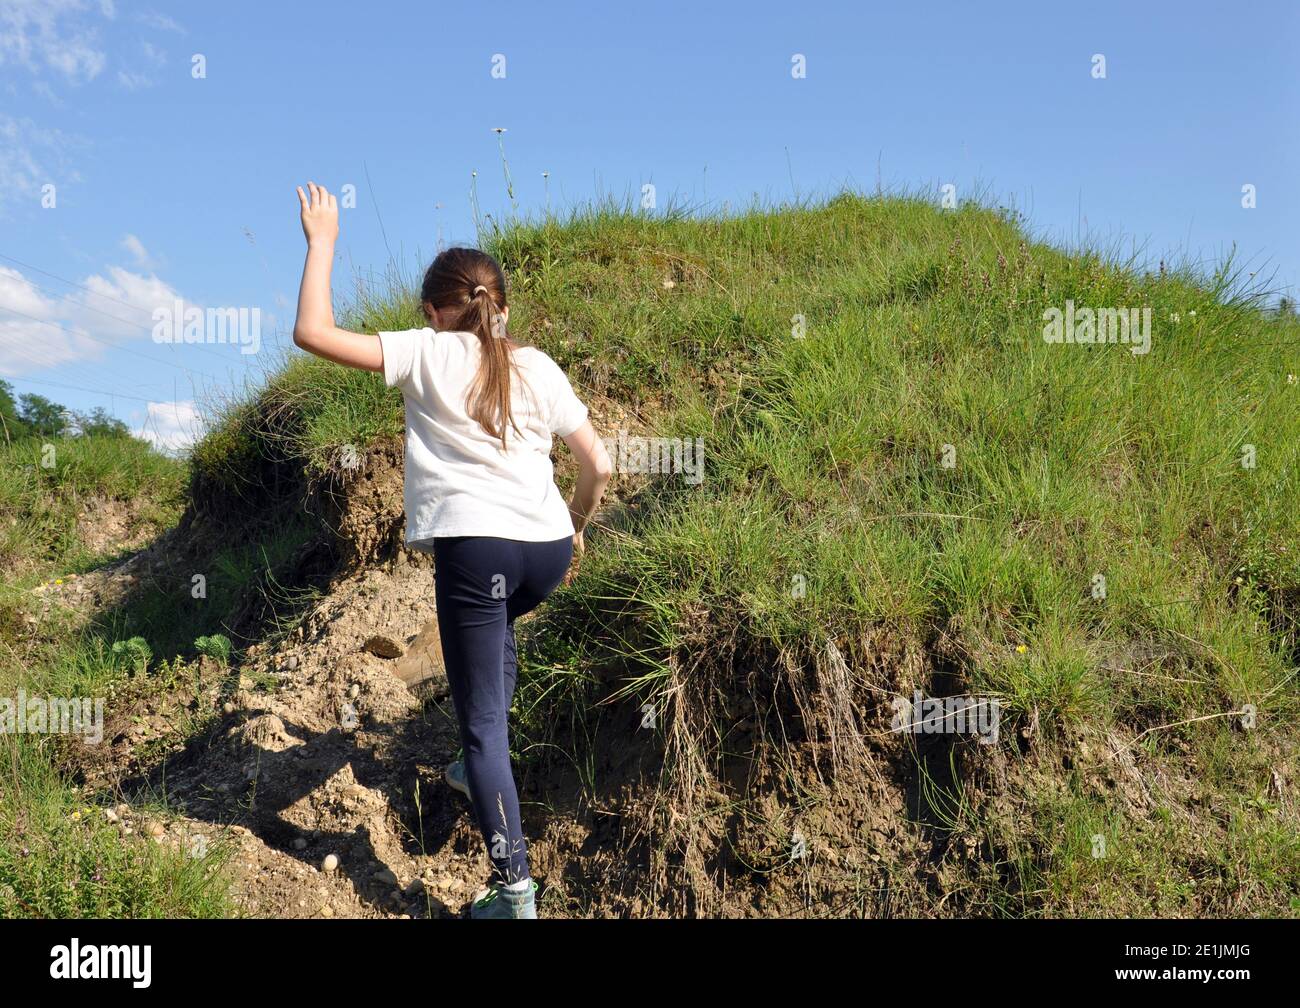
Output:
[[481, 586]]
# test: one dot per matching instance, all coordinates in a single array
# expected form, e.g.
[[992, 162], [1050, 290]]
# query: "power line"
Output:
[[78, 388], [95, 293], [115, 346], [79, 374], [45, 356]]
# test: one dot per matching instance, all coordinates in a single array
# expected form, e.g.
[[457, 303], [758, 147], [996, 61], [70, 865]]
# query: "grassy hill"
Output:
[[906, 489]]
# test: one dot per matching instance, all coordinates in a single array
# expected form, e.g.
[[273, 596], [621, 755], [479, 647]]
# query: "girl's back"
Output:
[[459, 479]]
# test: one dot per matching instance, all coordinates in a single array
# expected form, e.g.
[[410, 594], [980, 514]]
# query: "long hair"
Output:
[[470, 283]]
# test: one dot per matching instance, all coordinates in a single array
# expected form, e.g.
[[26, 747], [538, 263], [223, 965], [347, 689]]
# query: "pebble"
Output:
[[299, 843], [330, 863]]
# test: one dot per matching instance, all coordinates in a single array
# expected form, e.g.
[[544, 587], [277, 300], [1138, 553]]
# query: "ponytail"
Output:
[[488, 400], [471, 281]]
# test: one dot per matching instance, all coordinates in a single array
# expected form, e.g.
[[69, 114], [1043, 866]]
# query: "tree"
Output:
[[12, 426], [43, 418], [99, 422]]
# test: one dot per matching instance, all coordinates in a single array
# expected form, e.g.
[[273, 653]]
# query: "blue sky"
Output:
[[169, 186]]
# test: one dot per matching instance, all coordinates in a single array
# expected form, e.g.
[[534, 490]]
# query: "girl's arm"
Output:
[[594, 470], [314, 329]]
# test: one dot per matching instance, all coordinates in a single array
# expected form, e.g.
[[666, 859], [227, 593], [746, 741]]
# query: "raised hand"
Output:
[[320, 215]]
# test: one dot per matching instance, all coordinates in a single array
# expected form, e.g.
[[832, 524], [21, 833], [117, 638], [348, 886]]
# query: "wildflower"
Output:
[[1021, 649], [1175, 317]]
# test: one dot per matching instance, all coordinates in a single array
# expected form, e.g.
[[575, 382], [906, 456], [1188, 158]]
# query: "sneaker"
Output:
[[496, 902], [455, 774]]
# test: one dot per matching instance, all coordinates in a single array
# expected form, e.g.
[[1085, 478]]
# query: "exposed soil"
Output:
[[314, 747]]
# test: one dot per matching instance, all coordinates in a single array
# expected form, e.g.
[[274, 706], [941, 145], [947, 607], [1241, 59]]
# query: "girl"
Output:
[[479, 493]]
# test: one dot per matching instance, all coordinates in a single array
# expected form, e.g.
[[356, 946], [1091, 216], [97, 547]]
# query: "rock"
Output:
[[416, 888], [386, 876], [266, 731], [422, 664], [382, 647], [228, 708], [330, 864], [155, 829], [326, 911], [291, 663], [299, 843]]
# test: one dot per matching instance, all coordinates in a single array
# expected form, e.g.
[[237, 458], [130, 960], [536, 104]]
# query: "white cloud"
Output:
[[122, 303], [39, 331], [138, 252], [160, 21], [31, 157], [52, 35], [17, 293], [171, 426], [134, 81], [33, 333], [136, 78]]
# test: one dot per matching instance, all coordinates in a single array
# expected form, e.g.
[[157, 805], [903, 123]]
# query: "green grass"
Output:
[[46, 484], [59, 854], [833, 358], [891, 444]]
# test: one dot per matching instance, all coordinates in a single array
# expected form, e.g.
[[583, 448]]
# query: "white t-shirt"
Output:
[[459, 482]]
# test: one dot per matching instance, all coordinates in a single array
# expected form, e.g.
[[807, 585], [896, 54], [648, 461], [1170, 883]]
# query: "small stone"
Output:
[[228, 708], [326, 911], [291, 663], [416, 888], [155, 829], [386, 876], [299, 843], [354, 691], [382, 647], [330, 863]]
